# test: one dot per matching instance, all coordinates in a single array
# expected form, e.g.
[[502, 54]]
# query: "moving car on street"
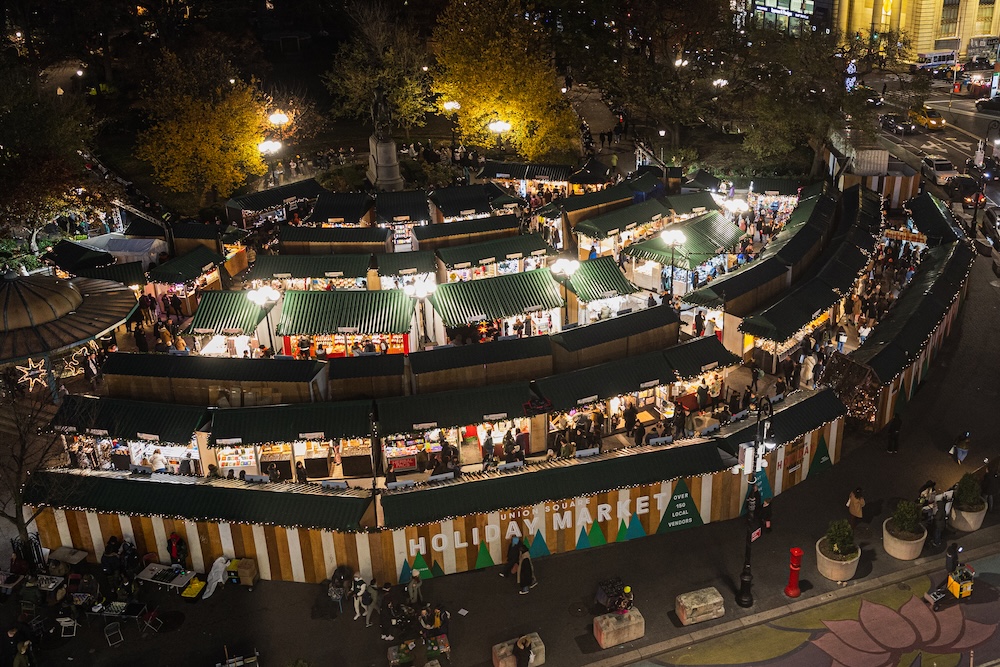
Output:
[[938, 168], [929, 119], [965, 189], [897, 123], [988, 105], [988, 171]]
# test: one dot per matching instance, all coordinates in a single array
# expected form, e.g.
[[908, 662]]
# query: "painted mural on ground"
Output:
[[887, 627]]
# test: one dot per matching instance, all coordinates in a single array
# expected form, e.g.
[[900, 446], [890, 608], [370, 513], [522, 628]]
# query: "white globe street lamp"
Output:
[[420, 289], [673, 238], [263, 297]]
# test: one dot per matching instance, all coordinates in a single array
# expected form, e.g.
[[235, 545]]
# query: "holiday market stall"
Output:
[[224, 240], [623, 336], [930, 221], [266, 208], [609, 233], [481, 364], [228, 324], [597, 290], [343, 209], [368, 376], [402, 213], [332, 440], [682, 207], [461, 202], [578, 208], [187, 277], [347, 323], [415, 428], [397, 270], [526, 179], [311, 272], [491, 258], [70, 256], [431, 237], [105, 433], [519, 304], [303, 240], [131, 274]]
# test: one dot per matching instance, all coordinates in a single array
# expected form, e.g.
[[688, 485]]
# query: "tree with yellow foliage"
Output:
[[205, 124], [494, 61]]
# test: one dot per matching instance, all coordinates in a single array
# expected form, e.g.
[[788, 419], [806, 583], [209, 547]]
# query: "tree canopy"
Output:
[[493, 60], [205, 124]]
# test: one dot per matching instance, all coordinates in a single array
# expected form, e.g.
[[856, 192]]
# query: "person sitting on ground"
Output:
[[439, 466]]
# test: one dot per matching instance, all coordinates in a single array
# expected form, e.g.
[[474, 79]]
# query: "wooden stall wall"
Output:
[[460, 544]]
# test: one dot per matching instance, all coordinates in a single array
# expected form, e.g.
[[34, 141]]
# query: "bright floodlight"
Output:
[[499, 126], [663, 133], [421, 288], [263, 295], [565, 267], [278, 118], [451, 105], [673, 237], [269, 146]]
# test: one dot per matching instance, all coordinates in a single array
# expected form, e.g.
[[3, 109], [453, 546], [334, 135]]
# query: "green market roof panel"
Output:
[[354, 311], [212, 368], [414, 262], [463, 303], [200, 499], [695, 202], [783, 187], [141, 228], [608, 331], [70, 256], [287, 423], [800, 413], [186, 268], [600, 278], [129, 273], [304, 234], [933, 219], [610, 195], [366, 366], [406, 206], [494, 223], [796, 309], [495, 250], [558, 479], [614, 378], [270, 198], [226, 313], [461, 200], [268, 267], [341, 207], [699, 355], [129, 420], [478, 354], [705, 237], [462, 407], [620, 220], [521, 171]]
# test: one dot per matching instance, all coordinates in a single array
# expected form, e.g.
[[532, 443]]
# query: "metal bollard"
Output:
[[795, 564]]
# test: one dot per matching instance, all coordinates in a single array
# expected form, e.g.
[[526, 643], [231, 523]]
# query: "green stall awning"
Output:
[[497, 250], [493, 223], [782, 320], [130, 273], [226, 313], [448, 409], [287, 423], [696, 202], [130, 420], [186, 268], [800, 413], [603, 381], [616, 329], [352, 311], [620, 220], [406, 263], [459, 304], [600, 278], [699, 355], [268, 267]]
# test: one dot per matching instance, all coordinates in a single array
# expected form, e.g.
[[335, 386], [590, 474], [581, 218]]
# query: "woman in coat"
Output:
[[525, 571]]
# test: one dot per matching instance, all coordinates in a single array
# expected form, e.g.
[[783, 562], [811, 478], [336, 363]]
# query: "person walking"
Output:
[[699, 324], [525, 571], [895, 426], [358, 590], [855, 506], [512, 553], [990, 485], [961, 447]]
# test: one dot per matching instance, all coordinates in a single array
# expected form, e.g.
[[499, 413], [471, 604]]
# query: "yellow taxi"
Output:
[[929, 119]]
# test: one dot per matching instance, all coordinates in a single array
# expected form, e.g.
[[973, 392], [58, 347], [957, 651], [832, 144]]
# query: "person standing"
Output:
[[895, 426], [639, 433], [989, 487], [525, 571], [358, 590], [141, 342], [370, 601], [630, 414], [522, 652], [300, 473], [512, 553], [176, 549], [413, 588], [855, 506], [699, 324], [961, 447], [158, 462]]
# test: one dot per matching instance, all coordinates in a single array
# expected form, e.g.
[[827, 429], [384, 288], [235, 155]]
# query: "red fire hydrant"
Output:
[[792, 589]]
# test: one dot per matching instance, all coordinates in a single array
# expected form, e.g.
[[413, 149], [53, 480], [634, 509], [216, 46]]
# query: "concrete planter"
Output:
[[967, 521], [836, 570], [900, 548]]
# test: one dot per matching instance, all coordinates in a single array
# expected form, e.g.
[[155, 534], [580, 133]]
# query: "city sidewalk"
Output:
[[288, 622]]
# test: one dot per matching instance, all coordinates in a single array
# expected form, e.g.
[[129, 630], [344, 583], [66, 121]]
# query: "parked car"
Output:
[[937, 168], [988, 171], [929, 119], [977, 64], [897, 123], [965, 189], [989, 105], [871, 96]]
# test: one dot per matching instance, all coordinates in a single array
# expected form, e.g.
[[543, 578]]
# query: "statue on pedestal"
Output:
[[383, 163], [382, 115]]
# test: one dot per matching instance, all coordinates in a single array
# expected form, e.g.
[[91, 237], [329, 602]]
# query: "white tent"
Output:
[[125, 250]]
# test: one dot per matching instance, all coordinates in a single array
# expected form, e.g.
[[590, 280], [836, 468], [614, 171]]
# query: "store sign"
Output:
[[407, 272], [533, 309], [515, 255], [708, 367], [463, 265], [782, 11], [771, 193], [315, 435], [282, 275], [334, 219], [614, 232], [698, 210], [657, 217], [609, 294], [473, 319], [589, 399], [495, 416], [207, 268], [503, 175], [401, 218], [334, 274], [347, 330], [649, 385], [538, 253], [630, 225], [148, 436], [488, 260], [424, 426], [97, 431], [541, 178], [229, 441], [468, 211]]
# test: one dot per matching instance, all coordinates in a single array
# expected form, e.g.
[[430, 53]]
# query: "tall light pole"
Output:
[[452, 107], [663, 133], [265, 297], [565, 268], [753, 463], [420, 289], [673, 238]]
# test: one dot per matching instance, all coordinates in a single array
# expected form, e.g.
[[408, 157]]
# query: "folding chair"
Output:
[[113, 633], [37, 625], [28, 608], [152, 621], [149, 559], [67, 626]]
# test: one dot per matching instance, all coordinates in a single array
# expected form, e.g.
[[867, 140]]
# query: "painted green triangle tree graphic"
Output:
[[583, 542], [596, 535], [635, 529], [622, 535], [405, 573], [681, 511], [538, 546], [437, 570], [419, 564], [483, 558], [820, 458]]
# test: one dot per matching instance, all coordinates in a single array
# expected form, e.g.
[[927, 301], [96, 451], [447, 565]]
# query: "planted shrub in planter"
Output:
[[969, 508], [902, 535], [837, 555]]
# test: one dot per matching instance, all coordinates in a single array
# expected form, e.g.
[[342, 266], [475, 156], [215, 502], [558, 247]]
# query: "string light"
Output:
[[33, 374]]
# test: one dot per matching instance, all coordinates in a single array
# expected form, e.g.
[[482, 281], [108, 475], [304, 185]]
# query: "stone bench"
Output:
[[503, 654], [614, 628], [698, 606]]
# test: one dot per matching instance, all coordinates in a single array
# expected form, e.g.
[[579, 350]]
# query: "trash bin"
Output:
[[247, 570]]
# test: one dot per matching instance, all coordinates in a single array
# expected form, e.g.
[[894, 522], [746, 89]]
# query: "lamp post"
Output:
[[420, 289], [993, 125], [663, 133], [673, 238], [565, 268], [498, 127], [753, 463], [452, 108], [264, 297], [279, 119]]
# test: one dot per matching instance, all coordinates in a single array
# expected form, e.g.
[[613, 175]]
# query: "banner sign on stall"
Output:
[[315, 435], [649, 385], [148, 436], [495, 416], [424, 426], [229, 441], [97, 431]]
